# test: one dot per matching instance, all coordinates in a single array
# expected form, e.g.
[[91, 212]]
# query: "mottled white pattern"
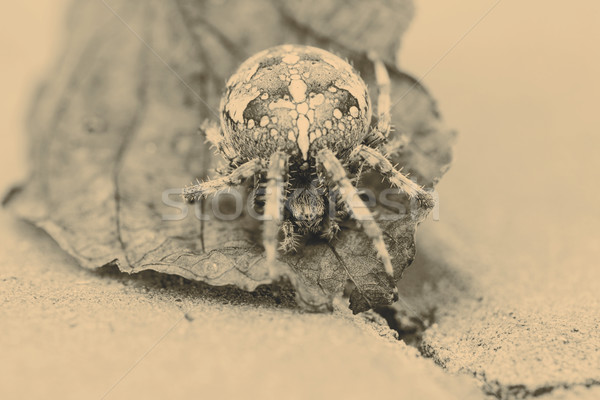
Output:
[[310, 114], [291, 58], [303, 140], [298, 90], [236, 107]]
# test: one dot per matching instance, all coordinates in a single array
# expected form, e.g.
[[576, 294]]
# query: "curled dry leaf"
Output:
[[116, 127], [357, 25]]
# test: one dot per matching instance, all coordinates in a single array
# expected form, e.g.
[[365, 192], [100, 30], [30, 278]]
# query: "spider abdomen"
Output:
[[298, 99]]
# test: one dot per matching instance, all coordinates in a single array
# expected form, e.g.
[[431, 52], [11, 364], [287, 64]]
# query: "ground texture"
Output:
[[71, 333]]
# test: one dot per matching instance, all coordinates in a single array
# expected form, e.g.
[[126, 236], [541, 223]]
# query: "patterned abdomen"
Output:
[[295, 98]]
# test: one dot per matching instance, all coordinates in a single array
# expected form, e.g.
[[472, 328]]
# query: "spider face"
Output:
[[298, 99], [295, 115]]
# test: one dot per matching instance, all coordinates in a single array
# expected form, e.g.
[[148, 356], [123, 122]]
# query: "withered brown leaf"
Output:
[[115, 126], [357, 25]]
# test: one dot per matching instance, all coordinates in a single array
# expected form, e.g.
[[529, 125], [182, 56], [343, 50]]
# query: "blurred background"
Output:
[[517, 80]]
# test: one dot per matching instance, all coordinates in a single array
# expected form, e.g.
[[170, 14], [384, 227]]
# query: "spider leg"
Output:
[[194, 193], [384, 98], [330, 229], [378, 161], [211, 131], [359, 211], [213, 135], [290, 238], [274, 203]]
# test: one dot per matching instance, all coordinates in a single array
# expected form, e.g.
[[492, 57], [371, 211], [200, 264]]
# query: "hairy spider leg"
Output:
[[358, 209], [379, 162], [330, 228], [290, 237], [337, 209], [384, 101], [212, 133], [274, 203], [257, 195], [195, 192], [379, 133]]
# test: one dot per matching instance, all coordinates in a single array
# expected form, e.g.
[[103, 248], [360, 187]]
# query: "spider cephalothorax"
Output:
[[298, 119]]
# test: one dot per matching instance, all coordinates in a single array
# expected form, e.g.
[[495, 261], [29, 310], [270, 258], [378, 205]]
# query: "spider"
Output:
[[293, 113]]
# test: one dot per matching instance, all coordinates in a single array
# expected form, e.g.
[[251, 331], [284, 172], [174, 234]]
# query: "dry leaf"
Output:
[[357, 25], [116, 126]]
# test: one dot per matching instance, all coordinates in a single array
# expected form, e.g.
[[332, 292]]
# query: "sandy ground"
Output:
[[509, 273], [73, 334]]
